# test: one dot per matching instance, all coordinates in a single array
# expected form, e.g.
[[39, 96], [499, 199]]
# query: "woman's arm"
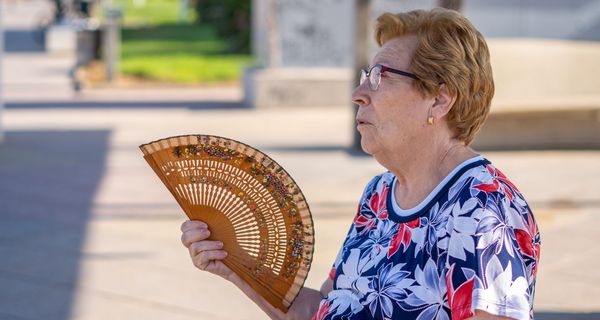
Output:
[[207, 255], [304, 307]]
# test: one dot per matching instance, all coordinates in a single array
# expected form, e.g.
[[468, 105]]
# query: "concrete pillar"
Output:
[[182, 10], [303, 48], [112, 42], [451, 4], [260, 49], [1, 69], [361, 53], [274, 35]]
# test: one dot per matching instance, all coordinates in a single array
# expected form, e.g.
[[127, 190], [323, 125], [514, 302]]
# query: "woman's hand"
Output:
[[206, 254]]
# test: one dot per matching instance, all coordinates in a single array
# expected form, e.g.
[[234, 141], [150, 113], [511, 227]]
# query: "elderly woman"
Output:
[[443, 234]]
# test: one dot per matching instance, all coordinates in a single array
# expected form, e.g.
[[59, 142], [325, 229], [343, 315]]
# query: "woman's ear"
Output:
[[443, 102]]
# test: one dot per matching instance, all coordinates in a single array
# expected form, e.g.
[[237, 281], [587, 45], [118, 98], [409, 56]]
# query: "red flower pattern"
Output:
[[460, 299], [500, 181], [378, 211], [361, 221], [402, 236], [378, 203], [323, 311], [526, 240]]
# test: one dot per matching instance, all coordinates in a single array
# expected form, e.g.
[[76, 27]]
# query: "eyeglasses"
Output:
[[374, 75]]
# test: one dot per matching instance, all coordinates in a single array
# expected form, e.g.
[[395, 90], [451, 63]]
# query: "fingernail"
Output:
[[220, 244]]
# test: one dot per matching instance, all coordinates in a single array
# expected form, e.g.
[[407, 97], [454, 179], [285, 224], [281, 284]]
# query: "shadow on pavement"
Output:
[[48, 180], [24, 40], [548, 315], [193, 105], [590, 33]]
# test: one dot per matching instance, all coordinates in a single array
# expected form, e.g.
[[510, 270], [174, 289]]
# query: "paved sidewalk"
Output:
[[88, 231]]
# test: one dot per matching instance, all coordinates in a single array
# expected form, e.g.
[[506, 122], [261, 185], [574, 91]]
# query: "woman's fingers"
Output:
[[206, 254], [203, 259], [197, 247], [193, 224], [194, 235]]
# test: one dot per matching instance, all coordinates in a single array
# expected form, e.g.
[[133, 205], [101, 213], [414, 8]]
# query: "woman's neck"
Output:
[[420, 172]]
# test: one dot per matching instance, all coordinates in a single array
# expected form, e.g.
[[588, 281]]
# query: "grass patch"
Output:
[[186, 69], [157, 46], [179, 53]]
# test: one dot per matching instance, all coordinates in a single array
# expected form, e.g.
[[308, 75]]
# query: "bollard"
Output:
[[112, 41], [87, 47]]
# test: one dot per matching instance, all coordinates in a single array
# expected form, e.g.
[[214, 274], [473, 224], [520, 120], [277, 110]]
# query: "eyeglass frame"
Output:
[[366, 74]]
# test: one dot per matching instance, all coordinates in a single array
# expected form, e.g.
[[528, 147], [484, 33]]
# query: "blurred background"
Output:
[[88, 232]]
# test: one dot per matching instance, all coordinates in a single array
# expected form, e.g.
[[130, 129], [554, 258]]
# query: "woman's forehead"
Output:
[[397, 52]]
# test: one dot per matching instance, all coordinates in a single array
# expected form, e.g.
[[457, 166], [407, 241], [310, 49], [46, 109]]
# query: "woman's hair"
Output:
[[451, 51]]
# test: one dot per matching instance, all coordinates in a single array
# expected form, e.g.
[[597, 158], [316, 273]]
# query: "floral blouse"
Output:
[[471, 244]]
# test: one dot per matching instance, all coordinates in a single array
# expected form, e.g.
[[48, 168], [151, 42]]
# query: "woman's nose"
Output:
[[360, 94]]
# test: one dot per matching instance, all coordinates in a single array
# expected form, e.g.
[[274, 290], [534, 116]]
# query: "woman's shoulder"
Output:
[[490, 181], [486, 194]]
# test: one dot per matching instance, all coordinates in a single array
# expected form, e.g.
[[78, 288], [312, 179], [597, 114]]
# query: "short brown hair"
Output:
[[451, 51]]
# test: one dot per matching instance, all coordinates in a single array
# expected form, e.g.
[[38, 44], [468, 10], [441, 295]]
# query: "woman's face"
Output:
[[394, 117]]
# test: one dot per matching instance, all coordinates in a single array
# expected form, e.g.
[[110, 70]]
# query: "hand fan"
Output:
[[249, 202]]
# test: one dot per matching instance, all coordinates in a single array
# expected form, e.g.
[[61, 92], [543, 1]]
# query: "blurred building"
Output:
[[544, 56]]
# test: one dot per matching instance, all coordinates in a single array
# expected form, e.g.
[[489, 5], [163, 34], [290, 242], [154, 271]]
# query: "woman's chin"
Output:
[[366, 146]]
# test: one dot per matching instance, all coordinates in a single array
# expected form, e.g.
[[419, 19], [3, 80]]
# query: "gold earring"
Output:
[[430, 120]]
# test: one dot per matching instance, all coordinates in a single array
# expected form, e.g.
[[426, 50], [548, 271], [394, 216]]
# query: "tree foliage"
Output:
[[231, 18]]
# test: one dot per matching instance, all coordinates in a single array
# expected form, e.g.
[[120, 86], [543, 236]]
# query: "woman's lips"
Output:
[[361, 122]]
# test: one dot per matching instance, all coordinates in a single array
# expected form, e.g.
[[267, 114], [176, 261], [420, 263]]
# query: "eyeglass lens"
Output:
[[373, 75]]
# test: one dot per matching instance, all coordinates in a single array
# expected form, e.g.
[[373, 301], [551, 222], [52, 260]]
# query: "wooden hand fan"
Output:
[[249, 202]]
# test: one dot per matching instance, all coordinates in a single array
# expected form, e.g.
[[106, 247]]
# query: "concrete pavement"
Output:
[[88, 231]]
